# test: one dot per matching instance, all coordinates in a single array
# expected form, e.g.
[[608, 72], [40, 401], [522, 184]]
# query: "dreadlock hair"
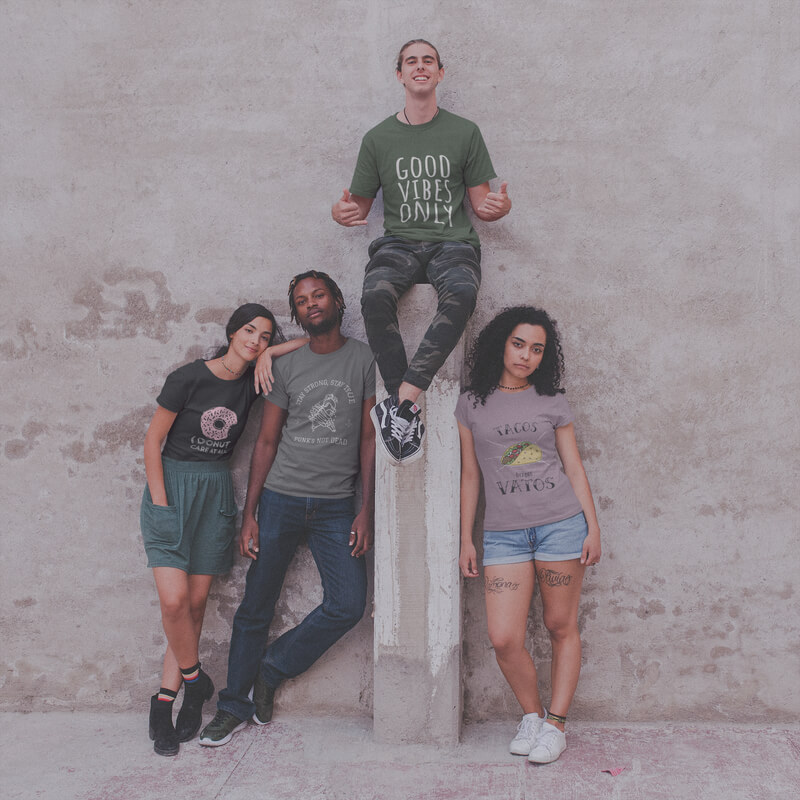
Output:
[[327, 280], [244, 314], [485, 359]]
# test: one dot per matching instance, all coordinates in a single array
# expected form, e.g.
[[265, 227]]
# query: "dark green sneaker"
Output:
[[221, 729], [263, 699]]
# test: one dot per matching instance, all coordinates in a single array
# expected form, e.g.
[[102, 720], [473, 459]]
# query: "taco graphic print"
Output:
[[521, 453]]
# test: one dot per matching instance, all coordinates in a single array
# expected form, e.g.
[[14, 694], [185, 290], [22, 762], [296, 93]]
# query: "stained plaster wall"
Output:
[[162, 162]]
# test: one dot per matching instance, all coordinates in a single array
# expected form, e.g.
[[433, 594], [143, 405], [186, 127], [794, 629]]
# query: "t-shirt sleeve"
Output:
[[366, 178], [369, 378], [175, 392], [479, 167], [562, 413], [462, 410], [279, 394]]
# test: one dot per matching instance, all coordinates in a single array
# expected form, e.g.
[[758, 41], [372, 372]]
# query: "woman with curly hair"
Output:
[[540, 523], [188, 512]]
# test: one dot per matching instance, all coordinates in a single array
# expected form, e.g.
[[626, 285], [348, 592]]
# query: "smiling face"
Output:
[[523, 353], [252, 339], [317, 311], [419, 69]]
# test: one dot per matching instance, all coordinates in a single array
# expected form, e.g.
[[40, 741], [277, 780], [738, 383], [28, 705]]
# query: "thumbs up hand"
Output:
[[347, 212], [495, 204]]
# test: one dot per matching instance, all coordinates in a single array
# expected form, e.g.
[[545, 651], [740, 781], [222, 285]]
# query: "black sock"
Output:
[[166, 695], [191, 674]]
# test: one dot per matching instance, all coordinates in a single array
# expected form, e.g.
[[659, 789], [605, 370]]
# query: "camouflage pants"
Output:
[[395, 265]]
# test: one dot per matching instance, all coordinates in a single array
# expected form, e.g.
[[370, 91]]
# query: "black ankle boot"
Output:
[[162, 732], [190, 717]]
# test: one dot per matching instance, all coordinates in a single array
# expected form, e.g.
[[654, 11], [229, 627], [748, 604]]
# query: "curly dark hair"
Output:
[[327, 280], [485, 359]]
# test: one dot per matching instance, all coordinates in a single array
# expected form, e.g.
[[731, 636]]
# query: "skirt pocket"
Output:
[[227, 517], [160, 524]]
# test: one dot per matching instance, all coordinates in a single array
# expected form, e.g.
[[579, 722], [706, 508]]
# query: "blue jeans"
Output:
[[282, 522]]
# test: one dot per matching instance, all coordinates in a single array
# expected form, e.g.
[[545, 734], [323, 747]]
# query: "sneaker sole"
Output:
[[380, 445], [258, 721], [224, 739], [545, 759]]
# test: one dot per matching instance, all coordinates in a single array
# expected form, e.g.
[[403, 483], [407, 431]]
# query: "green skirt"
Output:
[[196, 531]]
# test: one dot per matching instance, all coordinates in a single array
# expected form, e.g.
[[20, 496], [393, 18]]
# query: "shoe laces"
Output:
[[399, 426], [526, 728], [411, 430], [219, 721]]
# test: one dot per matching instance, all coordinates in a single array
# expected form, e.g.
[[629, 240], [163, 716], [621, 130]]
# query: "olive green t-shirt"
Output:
[[424, 171]]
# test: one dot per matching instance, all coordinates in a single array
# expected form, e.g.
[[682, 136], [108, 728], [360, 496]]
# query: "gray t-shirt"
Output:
[[515, 442], [318, 455]]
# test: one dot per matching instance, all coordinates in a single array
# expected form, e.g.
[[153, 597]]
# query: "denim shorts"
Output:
[[556, 541]]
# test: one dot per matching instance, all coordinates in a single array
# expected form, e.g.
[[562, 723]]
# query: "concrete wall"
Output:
[[161, 162]]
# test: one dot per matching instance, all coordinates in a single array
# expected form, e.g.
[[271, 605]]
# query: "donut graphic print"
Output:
[[217, 422]]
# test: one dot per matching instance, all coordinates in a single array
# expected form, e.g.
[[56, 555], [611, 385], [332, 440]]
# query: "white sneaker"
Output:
[[527, 731], [550, 744]]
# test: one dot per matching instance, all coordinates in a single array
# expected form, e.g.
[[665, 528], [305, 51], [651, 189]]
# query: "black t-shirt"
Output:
[[212, 412]]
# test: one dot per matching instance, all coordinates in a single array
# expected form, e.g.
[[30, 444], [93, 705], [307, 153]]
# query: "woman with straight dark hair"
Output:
[[516, 429], [188, 512]]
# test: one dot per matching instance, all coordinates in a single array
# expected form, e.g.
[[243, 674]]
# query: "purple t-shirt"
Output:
[[515, 442]]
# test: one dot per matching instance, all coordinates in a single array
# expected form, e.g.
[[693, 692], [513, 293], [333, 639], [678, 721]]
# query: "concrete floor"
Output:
[[107, 756]]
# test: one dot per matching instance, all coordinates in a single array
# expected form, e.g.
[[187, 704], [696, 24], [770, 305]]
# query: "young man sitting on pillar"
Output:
[[425, 160]]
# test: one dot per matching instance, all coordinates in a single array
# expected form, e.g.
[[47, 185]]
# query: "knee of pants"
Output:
[[376, 302], [346, 614], [459, 301]]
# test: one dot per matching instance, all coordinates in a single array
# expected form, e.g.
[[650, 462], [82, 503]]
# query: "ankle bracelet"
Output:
[[556, 718]]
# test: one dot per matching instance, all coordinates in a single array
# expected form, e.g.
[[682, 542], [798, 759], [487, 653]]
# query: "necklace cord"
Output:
[[232, 371], [420, 123]]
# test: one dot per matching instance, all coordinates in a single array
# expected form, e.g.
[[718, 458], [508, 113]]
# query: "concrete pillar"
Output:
[[417, 586]]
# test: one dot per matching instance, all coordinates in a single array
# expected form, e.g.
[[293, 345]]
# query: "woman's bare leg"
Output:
[[509, 589], [560, 586]]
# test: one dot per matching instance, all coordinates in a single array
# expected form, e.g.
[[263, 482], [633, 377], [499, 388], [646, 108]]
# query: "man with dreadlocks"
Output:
[[316, 437], [425, 160]]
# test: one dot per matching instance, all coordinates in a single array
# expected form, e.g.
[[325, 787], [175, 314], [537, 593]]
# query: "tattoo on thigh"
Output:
[[498, 584], [552, 578]]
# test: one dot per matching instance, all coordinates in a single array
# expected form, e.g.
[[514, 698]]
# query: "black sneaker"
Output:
[[221, 729], [411, 447], [383, 417], [162, 732], [190, 717], [392, 425], [263, 699]]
